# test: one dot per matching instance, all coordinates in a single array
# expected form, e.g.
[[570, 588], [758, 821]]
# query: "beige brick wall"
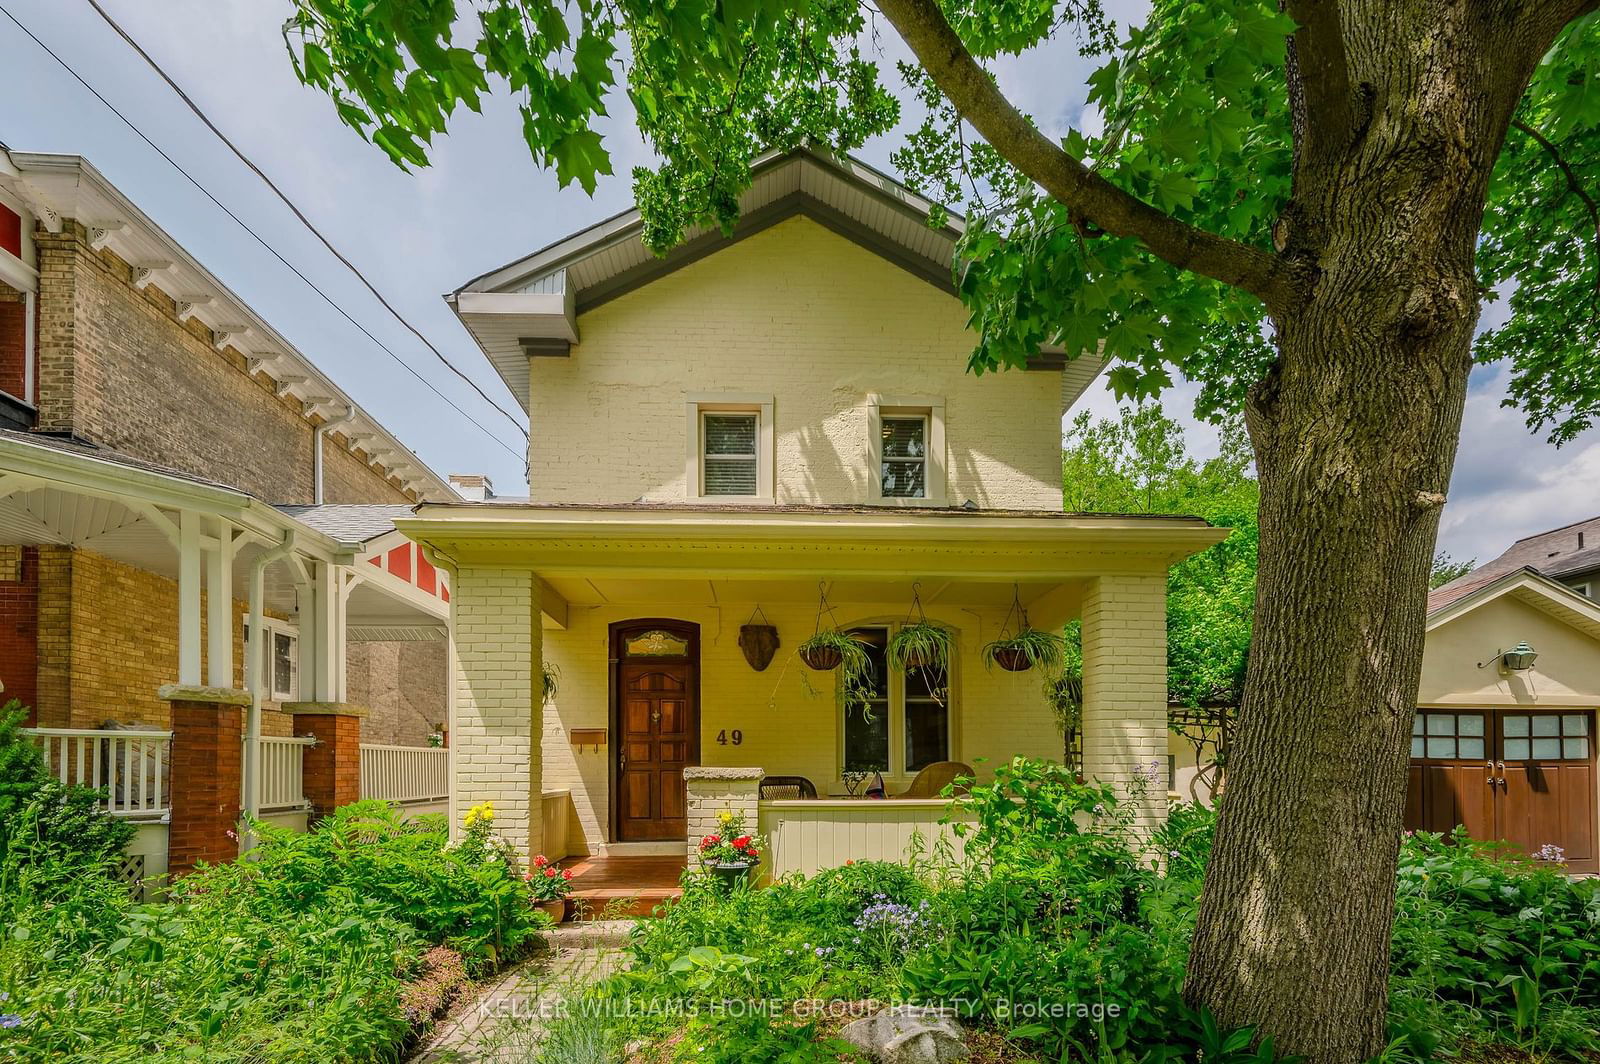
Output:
[[1125, 684], [788, 716], [404, 686], [712, 792], [492, 737], [118, 368], [802, 314]]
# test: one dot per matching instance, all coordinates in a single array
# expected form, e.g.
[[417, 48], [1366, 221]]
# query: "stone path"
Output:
[[501, 1024]]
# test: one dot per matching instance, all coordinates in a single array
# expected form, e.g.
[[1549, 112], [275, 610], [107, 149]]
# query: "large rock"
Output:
[[908, 1034]]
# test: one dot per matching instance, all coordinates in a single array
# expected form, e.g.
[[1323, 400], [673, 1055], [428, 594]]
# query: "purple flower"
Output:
[[1550, 852], [10, 1019]]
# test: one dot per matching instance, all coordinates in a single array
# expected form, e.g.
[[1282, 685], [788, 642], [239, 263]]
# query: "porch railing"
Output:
[[405, 773], [283, 772], [130, 766]]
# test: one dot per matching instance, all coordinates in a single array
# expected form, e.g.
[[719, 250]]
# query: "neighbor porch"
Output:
[[637, 612]]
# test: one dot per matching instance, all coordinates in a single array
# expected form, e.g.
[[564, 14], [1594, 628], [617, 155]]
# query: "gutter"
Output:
[[316, 450]]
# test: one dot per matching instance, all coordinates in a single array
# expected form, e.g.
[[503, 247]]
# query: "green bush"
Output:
[[470, 897], [40, 816]]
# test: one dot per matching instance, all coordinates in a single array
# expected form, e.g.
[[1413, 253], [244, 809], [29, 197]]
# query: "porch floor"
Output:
[[621, 887]]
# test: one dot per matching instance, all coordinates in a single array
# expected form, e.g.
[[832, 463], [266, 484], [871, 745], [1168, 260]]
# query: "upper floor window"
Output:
[[730, 448], [906, 444]]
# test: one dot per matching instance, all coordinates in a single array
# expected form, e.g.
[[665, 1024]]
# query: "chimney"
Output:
[[474, 487]]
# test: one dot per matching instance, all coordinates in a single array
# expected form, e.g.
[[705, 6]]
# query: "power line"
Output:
[[260, 240], [298, 213]]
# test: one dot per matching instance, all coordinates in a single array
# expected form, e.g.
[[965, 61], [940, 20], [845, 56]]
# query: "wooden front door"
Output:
[[657, 727], [1524, 776]]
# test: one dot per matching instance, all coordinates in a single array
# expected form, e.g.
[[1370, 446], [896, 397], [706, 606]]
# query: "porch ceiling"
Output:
[[604, 590]]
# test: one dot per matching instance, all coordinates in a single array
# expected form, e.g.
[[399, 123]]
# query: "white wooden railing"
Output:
[[283, 771], [130, 766], [405, 773]]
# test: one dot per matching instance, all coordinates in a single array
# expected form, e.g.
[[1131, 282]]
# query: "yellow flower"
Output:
[[725, 816], [483, 811]]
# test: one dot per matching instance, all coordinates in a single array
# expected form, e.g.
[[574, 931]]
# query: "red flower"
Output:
[[549, 873], [754, 855], [710, 841], [540, 861], [741, 842], [566, 873]]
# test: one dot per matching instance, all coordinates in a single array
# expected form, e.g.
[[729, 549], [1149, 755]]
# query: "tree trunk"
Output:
[[1355, 434]]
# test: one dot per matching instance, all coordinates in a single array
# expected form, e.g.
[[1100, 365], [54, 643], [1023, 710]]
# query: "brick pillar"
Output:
[[714, 790], [204, 774], [332, 767], [498, 720], [1125, 687]]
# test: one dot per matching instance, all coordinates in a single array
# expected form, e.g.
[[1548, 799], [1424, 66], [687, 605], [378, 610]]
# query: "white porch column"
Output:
[[325, 642], [189, 599], [499, 712], [1125, 686], [219, 608]]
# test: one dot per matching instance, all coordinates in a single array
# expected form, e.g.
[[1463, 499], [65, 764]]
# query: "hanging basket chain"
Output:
[[758, 612], [1017, 610], [824, 606], [916, 605]]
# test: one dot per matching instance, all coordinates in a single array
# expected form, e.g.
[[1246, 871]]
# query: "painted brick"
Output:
[[1125, 687]]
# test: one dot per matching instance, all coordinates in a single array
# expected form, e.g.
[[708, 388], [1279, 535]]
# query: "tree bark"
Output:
[[1355, 433]]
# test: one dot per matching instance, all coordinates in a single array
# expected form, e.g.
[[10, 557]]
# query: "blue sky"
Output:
[[483, 203]]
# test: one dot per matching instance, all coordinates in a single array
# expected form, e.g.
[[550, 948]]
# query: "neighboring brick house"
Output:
[[151, 421], [770, 433]]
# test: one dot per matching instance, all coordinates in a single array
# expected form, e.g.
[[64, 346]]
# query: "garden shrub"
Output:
[[43, 817]]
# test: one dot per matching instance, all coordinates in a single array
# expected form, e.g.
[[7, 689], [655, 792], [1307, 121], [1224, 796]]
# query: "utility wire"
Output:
[[274, 252], [298, 213]]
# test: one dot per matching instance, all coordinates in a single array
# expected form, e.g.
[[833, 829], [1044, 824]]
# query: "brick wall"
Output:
[[118, 368], [403, 684], [19, 624], [801, 314], [332, 766], [1125, 686], [13, 342]]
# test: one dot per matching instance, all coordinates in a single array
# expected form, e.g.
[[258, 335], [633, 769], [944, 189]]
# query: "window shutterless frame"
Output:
[[899, 426], [916, 727], [729, 452]]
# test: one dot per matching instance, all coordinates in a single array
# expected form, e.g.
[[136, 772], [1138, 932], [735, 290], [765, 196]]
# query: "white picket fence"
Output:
[[283, 772], [405, 773], [130, 766]]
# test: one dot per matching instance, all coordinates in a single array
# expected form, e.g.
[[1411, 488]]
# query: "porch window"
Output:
[[904, 715], [280, 664], [730, 454]]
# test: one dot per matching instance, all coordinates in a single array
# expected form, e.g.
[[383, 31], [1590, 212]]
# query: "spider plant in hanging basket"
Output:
[[920, 645], [828, 649], [1028, 649], [552, 680]]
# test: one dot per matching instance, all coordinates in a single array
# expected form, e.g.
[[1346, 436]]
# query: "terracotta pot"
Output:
[[821, 658], [1012, 659], [555, 909]]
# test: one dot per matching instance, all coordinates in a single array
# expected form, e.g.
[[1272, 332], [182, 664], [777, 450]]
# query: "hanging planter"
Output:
[[1022, 648], [551, 681], [829, 649], [919, 643], [758, 642]]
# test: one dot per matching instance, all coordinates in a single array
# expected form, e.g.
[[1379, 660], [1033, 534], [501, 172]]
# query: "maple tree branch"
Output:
[[968, 86], [1573, 183]]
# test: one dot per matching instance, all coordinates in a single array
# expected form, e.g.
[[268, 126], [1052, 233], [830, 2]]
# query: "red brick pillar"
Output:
[[204, 774], [332, 766]]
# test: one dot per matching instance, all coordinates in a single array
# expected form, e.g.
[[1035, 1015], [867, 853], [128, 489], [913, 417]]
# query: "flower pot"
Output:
[[821, 658], [758, 642], [731, 873], [1012, 659], [554, 908]]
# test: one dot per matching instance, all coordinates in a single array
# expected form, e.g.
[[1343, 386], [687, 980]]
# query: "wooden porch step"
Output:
[[622, 887]]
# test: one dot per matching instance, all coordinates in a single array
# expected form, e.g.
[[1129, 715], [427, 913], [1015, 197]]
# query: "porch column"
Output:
[[189, 636], [331, 767], [204, 773], [1125, 688], [219, 608], [499, 713]]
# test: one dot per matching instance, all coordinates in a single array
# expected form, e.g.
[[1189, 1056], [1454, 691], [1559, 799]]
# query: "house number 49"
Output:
[[736, 737]]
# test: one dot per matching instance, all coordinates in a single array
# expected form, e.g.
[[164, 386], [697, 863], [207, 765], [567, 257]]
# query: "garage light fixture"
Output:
[[1519, 658]]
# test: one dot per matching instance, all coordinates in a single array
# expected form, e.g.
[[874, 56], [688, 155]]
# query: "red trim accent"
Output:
[[376, 559], [11, 231], [444, 593], [427, 577], [400, 562]]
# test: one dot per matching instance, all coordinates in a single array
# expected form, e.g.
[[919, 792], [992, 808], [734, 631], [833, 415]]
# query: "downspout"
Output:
[[254, 652], [316, 450]]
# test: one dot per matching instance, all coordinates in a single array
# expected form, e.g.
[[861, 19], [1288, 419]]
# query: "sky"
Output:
[[483, 203]]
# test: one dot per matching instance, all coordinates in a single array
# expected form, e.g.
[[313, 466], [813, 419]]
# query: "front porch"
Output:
[[638, 613]]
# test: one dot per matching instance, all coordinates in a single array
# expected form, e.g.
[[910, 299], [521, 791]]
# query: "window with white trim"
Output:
[[730, 448], [901, 725], [906, 450], [280, 660]]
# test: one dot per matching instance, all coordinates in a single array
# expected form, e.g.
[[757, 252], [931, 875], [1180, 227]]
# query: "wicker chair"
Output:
[[931, 780], [776, 787]]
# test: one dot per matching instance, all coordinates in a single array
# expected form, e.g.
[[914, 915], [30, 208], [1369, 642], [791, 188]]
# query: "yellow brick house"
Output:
[[777, 427]]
